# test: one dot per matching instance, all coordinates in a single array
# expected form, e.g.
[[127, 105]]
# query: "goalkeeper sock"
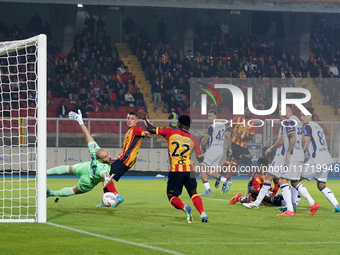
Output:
[[58, 170], [110, 188], [65, 192], [197, 201], [177, 203]]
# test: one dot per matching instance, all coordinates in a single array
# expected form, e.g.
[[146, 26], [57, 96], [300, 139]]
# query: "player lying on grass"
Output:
[[180, 146], [91, 173], [214, 139], [290, 170], [254, 186], [128, 157]]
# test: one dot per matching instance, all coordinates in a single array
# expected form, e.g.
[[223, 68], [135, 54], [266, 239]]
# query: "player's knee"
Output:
[[76, 190], [70, 169]]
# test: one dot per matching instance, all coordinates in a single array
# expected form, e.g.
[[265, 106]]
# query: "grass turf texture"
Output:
[[147, 217]]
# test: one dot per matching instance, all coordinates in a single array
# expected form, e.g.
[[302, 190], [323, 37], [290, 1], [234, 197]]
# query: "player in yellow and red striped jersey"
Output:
[[128, 157], [180, 147], [243, 130], [254, 186]]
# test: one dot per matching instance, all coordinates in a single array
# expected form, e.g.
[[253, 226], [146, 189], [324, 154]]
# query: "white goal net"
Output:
[[23, 130]]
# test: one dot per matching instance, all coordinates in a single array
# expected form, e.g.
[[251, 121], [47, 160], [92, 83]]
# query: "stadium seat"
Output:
[[51, 128], [15, 113], [32, 112], [61, 128], [51, 114], [96, 129], [107, 115], [90, 115], [23, 113], [106, 129], [69, 129], [98, 114], [115, 129], [116, 115]]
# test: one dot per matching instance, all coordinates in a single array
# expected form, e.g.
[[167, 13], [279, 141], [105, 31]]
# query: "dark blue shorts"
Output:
[[118, 168], [237, 151]]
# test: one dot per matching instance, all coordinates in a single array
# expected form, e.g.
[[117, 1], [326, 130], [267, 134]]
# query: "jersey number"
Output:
[[321, 140], [299, 131], [220, 135], [174, 153]]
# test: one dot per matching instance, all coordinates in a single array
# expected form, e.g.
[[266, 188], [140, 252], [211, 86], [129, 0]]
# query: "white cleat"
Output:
[[251, 205]]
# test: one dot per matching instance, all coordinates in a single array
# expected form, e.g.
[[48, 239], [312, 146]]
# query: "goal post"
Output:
[[23, 130]]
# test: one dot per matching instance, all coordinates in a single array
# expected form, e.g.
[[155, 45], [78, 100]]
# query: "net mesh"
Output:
[[18, 129]]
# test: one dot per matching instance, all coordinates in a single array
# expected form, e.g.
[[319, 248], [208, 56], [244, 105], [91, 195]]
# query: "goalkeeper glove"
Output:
[[78, 117]]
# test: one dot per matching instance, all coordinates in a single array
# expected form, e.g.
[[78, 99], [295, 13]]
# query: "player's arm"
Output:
[[206, 137], [149, 127], [248, 137], [204, 141], [307, 135], [276, 145], [198, 150], [79, 118], [227, 135], [292, 140]]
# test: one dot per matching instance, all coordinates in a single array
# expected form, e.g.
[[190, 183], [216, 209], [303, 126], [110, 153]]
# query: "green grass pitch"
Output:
[[146, 217]]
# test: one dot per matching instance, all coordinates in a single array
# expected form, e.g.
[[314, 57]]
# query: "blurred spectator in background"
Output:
[[139, 100], [62, 110], [128, 26], [161, 29], [129, 99], [50, 97], [90, 22], [79, 106], [173, 116], [156, 92]]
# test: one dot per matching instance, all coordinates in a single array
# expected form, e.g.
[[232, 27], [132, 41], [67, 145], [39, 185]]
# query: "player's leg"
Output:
[[60, 170], [287, 196], [204, 176], [118, 168], [231, 170], [263, 191], [174, 190], [191, 185], [76, 169], [237, 198], [305, 194], [329, 195], [84, 185]]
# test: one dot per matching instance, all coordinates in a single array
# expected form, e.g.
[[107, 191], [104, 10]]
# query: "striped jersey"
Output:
[[242, 126], [180, 147], [131, 145]]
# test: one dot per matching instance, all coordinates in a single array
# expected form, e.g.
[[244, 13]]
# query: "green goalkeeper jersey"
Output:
[[97, 168]]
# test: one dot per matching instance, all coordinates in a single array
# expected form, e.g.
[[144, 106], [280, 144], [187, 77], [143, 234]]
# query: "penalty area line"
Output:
[[115, 239]]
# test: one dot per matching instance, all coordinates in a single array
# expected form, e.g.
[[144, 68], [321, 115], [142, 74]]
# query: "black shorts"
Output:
[[118, 168], [237, 151], [177, 180]]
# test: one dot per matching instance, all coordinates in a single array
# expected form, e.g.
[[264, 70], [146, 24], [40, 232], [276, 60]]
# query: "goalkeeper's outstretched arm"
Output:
[[79, 118]]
